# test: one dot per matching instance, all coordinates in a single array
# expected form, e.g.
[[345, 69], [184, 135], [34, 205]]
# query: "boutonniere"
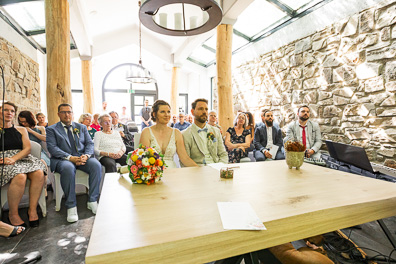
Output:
[[76, 131], [211, 137], [119, 125], [1, 130]]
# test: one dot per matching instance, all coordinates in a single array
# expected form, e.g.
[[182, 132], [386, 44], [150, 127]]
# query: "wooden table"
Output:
[[177, 220]]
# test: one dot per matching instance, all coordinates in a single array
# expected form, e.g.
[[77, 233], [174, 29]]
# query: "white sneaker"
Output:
[[93, 206], [72, 215]]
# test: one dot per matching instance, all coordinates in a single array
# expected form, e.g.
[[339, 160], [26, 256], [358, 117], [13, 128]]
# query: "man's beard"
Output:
[[304, 118], [201, 119], [268, 122]]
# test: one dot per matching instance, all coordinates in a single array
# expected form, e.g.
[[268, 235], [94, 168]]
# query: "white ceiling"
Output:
[[104, 25]]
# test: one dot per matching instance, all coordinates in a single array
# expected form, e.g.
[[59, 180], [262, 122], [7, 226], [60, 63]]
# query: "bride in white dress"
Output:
[[164, 139]]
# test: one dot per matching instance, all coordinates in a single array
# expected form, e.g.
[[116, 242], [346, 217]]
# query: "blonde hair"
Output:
[[83, 116]]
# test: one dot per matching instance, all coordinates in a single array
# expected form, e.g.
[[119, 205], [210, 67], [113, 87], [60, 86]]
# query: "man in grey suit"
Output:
[[72, 148], [306, 131], [266, 136], [203, 142]]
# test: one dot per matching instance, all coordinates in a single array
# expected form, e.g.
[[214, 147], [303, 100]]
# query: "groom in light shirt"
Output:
[[204, 143]]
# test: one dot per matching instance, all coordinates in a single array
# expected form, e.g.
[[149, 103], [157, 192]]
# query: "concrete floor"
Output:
[[60, 242]]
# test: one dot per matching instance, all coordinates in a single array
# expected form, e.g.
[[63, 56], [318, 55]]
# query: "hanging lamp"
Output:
[[180, 17], [139, 74]]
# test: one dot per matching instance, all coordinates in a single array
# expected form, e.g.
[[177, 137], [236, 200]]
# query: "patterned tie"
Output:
[[203, 129], [71, 141], [304, 136]]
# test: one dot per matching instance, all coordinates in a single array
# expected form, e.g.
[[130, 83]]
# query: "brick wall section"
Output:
[[346, 73], [21, 78]]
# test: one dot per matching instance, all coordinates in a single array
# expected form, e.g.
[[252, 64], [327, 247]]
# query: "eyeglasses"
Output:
[[66, 112]]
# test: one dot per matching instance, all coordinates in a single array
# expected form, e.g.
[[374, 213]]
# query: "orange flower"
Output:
[[138, 162]]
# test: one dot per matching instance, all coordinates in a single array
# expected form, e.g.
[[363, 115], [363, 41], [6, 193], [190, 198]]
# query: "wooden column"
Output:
[[223, 65], [57, 31], [174, 100], [88, 96]]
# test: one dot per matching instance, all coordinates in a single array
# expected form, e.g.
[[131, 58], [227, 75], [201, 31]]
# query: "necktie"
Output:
[[203, 129], [146, 109], [304, 137], [71, 141]]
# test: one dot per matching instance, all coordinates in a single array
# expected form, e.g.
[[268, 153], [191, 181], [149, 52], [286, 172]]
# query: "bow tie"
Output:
[[203, 129]]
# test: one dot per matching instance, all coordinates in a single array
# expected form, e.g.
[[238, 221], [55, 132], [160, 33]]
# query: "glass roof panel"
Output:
[[29, 15], [257, 16], [203, 55], [40, 39], [296, 4], [238, 42], [211, 42]]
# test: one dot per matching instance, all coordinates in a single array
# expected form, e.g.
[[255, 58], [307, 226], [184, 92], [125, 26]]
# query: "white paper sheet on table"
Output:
[[239, 216]]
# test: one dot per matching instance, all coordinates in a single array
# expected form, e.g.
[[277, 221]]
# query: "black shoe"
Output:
[[23, 225], [34, 223]]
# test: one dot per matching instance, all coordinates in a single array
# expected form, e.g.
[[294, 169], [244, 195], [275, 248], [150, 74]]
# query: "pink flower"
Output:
[[134, 169]]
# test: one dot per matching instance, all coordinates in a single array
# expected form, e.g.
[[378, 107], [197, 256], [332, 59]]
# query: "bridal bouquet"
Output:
[[145, 165]]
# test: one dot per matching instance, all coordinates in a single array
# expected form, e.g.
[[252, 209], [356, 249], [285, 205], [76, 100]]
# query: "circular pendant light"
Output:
[[139, 74], [180, 17]]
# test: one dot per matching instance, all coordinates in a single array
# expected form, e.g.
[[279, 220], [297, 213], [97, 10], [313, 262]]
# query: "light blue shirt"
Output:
[[183, 126]]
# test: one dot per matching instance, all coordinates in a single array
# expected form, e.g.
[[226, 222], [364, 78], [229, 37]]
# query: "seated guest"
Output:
[[250, 126], [174, 121], [18, 165], [305, 131], [36, 133], [125, 117], [95, 122], [212, 120], [72, 149], [203, 142], [7, 230], [108, 145], [86, 119], [182, 124], [267, 136], [41, 120], [190, 119], [127, 137], [238, 139]]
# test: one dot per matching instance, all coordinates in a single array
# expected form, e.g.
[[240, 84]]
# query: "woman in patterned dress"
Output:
[[17, 165], [238, 139]]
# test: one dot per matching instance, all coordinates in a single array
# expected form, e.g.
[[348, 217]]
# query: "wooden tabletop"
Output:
[[177, 219]]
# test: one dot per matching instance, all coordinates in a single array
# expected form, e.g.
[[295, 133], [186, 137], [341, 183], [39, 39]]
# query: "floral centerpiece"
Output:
[[295, 152], [145, 165]]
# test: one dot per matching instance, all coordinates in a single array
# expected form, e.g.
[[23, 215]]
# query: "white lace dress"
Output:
[[170, 149]]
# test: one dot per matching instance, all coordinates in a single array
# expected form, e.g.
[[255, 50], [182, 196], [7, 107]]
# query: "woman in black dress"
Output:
[[238, 139], [17, 166]]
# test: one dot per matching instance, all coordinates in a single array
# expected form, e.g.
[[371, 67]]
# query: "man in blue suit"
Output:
[[266, 136], [72, 148]]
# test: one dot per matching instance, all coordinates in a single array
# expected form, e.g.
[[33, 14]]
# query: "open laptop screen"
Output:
[[349, 154]]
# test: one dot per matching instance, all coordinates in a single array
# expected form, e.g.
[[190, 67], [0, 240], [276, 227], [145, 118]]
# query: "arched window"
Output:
[[119, 92]]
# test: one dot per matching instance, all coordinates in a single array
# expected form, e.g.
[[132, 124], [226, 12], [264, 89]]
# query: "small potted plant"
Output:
[[295, 152]]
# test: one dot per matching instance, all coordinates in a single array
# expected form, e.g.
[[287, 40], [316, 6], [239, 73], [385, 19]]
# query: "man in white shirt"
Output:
[[203, 142], [305, 131], [268, 139]]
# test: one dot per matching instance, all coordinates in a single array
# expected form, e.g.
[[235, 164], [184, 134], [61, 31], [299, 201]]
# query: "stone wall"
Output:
[[21, 78], [346, 73]]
